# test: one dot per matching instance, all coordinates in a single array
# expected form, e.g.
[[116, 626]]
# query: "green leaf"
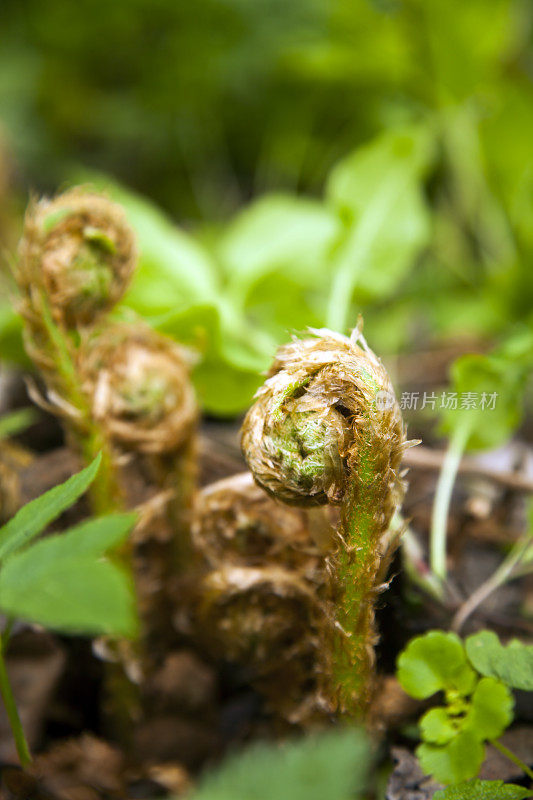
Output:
[[33, 518], [456, 761], [483, 790], [490, 423], [491, 711], [437, 726], [377, 192], [279, 305], [90, 538], [278, 233], [16, 422], [512, 664], [69, 593], [223, 381], [333, 766], [433, 662], [224, 389]]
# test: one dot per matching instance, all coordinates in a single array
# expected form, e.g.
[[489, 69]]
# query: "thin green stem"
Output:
[[512, 757], [355, 251], [104, 490], [12, 712], [414, 563], [443, 495]]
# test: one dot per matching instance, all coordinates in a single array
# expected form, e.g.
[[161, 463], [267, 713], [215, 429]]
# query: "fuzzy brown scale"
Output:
[[330, 395], [262, 599], [79, 249], [139, 387]]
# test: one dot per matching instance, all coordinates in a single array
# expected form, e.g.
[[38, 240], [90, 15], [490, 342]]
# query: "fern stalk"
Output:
[[326, 428]]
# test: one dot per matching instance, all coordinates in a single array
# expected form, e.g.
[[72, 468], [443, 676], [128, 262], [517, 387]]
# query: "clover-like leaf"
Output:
[[437, 726], [458, 760], [512, 664], [433, 662], [483, 790], [491, 710]]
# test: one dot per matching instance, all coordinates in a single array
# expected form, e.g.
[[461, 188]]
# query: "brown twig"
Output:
[[425, 458]]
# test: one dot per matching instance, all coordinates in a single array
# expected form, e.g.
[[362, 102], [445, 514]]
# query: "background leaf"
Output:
[[483, 790], [377, 193], [333, 765], [278, 233], [485, 375]]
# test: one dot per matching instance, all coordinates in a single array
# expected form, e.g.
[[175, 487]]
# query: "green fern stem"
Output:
[[326, 428], [356, 564], [105, 492]]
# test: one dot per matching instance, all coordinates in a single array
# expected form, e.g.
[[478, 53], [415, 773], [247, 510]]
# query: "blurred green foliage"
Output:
[[333, 765], [387, 144]]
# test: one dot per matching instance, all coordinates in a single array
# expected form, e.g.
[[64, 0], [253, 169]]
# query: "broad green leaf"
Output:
[[512, 664], [433, 662], [437, 727], [456, 761], [33, 518], [16, 421], [278, 233], [483, 790], [489, 391], [280, 306], [74, 594], [90, 538], [491, 711], [218, 333], [224, 383], [197, 327], [377, 193], [333, 766], [225, 390]]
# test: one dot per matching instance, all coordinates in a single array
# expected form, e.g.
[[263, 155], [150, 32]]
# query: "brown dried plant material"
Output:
[[262, 601], [326, 427], [81, 251], [13, 459], [139, 387]]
